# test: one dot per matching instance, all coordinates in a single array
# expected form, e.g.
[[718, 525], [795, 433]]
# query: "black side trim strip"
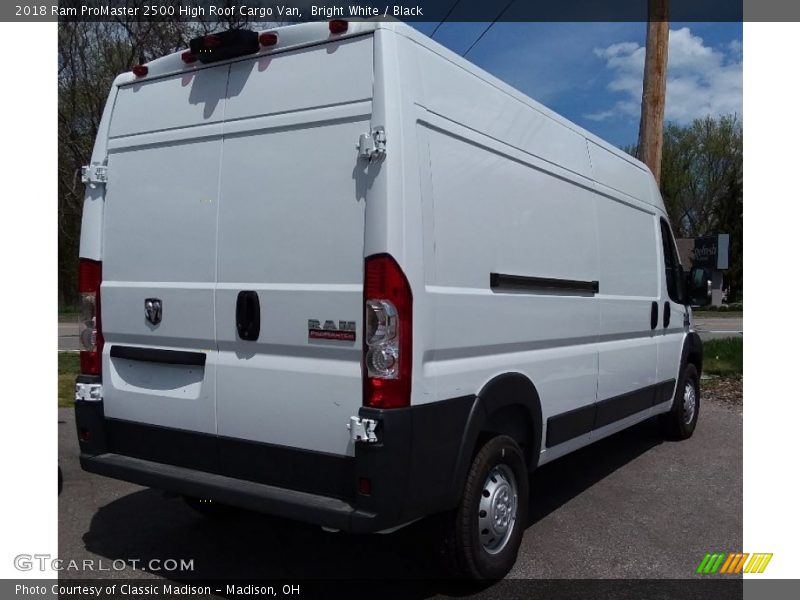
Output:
[[169, 357], [577, 422], [541, 284], [571, 424], [624, 405], [664, 391]]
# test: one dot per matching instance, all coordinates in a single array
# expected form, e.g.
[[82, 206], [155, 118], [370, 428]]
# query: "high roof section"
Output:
[[612, 167]]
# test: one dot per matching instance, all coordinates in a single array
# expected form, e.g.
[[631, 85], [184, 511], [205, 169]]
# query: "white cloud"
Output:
[[701, 80]]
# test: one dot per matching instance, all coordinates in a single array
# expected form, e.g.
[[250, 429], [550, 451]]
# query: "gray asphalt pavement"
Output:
[[68, 336], [631, 506], [711, 328]]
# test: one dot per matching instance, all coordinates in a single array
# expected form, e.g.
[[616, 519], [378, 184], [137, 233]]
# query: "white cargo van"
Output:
[[336, 273]]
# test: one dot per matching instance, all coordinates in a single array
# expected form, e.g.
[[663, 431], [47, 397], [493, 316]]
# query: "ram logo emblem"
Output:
[[152, 310]]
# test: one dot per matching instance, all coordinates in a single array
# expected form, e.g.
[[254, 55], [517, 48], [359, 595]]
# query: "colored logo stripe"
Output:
[[758, 563], [733, 563], [711, 562]]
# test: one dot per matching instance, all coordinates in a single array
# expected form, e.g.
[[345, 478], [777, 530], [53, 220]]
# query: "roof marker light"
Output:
[[188, 57], [268, 38], [140, 70], [337, 26]]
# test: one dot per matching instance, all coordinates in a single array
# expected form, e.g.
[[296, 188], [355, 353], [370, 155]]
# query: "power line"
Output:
[[485, 31], [449, 12]]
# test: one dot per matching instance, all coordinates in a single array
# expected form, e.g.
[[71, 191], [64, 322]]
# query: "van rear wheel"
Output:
[[679, 423], [483, 535]]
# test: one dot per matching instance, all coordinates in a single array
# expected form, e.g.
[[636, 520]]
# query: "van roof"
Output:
[[422, 39], [317, 32]]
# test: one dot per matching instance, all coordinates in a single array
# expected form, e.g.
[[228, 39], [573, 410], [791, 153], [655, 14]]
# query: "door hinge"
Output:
[[94, 174], [372, 146], [362, 430]]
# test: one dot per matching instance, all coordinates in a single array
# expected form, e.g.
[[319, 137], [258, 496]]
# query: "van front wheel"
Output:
[[484, 534], [679, 423]]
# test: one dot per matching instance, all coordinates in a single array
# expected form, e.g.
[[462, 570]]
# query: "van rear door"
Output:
[[291, 235], [159, 244]]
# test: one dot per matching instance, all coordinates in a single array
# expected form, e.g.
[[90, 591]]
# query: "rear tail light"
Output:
[[337, 26], [90, 332], [387, 334]]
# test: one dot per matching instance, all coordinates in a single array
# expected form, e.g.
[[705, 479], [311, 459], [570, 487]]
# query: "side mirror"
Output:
[[698, 287]]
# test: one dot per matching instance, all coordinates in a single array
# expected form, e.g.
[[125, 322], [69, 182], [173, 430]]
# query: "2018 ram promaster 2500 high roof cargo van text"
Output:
[[336, 273]]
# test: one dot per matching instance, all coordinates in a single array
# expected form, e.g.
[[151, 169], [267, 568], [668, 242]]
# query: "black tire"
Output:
[[209, 508], [469, 553], [679, 423]]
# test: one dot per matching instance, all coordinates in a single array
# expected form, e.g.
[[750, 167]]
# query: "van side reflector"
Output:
[[337, 26], [140, 70], [268, 39]]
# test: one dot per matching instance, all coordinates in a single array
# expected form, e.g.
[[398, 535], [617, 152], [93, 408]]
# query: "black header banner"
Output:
[[291, 11], [508, 589]]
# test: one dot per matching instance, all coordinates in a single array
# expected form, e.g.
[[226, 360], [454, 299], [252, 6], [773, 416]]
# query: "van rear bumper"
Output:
[[415, 468], [290, 504]]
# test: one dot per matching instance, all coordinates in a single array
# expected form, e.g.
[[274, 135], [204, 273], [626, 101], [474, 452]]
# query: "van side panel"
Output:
[[482, 332], [529, 196], [628, 259]]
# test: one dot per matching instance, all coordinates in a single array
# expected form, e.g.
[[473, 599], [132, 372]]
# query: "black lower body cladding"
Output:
[[417, 458], [410, 472]]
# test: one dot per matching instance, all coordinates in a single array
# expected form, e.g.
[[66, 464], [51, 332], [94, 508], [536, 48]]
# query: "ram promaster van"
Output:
[[335, 273]]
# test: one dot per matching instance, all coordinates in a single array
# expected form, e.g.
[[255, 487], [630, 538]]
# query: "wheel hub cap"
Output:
[[497, 511], [689, 403]]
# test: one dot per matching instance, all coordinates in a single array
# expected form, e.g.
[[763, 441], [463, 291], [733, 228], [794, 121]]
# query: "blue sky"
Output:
[[591, 72]]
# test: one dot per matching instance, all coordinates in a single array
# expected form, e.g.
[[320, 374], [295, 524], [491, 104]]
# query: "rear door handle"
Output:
[[667, 311], [248, 315], [653, 315]]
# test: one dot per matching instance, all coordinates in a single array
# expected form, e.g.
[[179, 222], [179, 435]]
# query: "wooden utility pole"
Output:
[[651, 126]]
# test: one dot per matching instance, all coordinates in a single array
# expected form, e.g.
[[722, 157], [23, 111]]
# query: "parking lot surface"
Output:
[[631, 506]]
